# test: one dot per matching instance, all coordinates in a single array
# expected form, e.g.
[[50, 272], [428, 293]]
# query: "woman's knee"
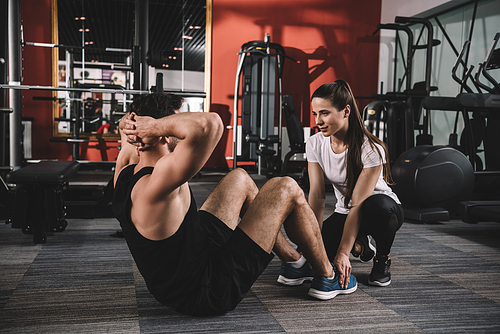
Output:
[[380, 211], [379, 204]]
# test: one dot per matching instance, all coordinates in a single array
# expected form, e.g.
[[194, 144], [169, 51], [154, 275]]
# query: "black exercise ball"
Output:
[[433, 176]]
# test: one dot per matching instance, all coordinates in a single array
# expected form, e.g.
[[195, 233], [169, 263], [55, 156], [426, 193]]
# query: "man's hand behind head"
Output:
[[140, 131]]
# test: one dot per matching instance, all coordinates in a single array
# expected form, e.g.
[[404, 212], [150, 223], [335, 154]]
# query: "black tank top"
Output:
[[171, 267]]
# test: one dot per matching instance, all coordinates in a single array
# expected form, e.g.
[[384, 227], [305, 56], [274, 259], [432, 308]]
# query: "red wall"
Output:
[[330, 39], [37, 71]]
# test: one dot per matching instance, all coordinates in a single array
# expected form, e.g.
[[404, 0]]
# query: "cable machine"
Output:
[[260, 69]]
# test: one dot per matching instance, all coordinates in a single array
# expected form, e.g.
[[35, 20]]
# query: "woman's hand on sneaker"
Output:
[[344, 268]]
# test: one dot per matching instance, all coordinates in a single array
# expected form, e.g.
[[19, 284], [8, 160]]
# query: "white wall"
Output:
[[177, 80], [457, 25], [391, 9]]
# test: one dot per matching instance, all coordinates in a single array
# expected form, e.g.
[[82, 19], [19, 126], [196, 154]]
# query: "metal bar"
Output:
[[46, 45], [395, 62], [118, 50], [405, 66], [98, 90], [241, 60], [51, 45], [111, 66], [280, 108], [3, 93], [142, 38], [468, 49], [409, 55], [15, 119], [430, 44], [445, 34], [136, 67]]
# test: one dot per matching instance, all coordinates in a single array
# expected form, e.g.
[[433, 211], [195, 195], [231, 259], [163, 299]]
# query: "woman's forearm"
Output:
[[351, 229], [317, 205]]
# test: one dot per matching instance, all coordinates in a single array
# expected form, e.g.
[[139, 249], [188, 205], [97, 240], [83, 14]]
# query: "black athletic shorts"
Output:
[[234, 264]]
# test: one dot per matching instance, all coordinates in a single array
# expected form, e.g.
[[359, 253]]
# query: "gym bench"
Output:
[[38, 203]]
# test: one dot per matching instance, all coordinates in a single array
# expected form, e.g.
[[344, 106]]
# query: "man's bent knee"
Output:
[[239, 179], [286, 186]]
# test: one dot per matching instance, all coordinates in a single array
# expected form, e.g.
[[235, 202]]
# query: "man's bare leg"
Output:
[[237, 191], [231, 198], [284, 250], [281, 201]]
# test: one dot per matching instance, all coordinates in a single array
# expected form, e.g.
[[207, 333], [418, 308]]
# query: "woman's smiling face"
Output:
[[328, 119]]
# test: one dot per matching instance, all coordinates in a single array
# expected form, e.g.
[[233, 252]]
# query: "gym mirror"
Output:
[[95, 53]]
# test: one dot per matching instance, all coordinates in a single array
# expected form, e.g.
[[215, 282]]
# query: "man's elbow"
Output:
[[213, 124]]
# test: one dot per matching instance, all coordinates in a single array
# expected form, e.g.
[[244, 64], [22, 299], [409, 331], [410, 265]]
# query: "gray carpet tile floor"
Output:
[[83, 280]]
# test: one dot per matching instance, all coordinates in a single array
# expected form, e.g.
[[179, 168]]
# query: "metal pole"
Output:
[[15, 119], [3, 92], [142, 38], [83, 42], [100, 90]]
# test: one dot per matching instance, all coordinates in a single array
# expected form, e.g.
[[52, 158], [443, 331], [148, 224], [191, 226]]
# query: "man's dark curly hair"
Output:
[[156, 105]]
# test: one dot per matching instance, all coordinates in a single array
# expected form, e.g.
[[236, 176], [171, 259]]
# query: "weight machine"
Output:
[[260, 65]]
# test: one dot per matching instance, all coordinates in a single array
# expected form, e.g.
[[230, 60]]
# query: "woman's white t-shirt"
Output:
[[318, 149]]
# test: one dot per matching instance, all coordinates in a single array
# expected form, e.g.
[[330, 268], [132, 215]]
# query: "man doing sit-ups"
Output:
[[204, 262]]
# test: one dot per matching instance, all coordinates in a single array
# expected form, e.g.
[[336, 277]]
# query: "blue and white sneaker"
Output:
[[289, 275], [325, 289]]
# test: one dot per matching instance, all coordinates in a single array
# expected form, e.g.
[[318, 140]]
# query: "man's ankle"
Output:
[[298, 263]]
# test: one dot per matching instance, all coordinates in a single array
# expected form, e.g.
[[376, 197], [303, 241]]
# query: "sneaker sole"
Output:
[[293, 281], [323, 295], [377, 283]]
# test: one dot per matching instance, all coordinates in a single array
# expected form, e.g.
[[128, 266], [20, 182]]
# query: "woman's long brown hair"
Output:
[[340, 95]]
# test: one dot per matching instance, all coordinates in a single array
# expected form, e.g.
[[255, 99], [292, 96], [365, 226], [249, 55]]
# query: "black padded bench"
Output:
[[479, 211], [38, 203]]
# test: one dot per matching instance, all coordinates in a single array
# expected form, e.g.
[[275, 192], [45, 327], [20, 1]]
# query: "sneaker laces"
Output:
[[381, 265]]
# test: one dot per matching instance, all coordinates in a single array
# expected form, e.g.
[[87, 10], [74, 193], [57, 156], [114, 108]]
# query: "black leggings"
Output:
[[381, 218]]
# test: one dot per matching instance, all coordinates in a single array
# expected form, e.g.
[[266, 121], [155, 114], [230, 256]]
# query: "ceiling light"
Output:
[[187, 37]]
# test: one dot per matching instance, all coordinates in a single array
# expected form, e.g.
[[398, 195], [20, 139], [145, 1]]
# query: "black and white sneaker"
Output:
[[368, 248], [380, 275]]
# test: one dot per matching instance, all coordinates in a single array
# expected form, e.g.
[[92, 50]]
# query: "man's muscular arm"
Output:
[[198, 135], [128, 154]]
